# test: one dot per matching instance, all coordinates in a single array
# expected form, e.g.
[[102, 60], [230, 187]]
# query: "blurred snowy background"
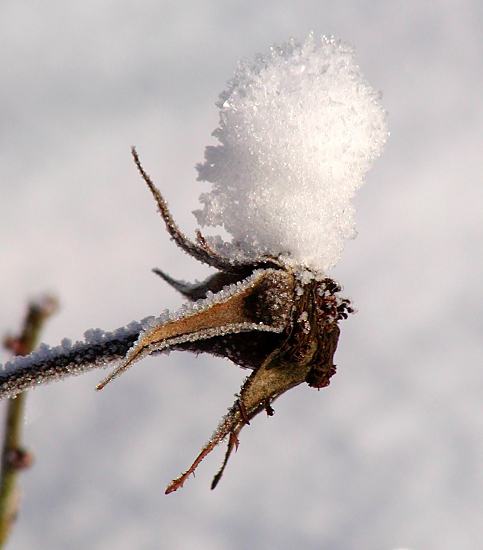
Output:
[[390, 455]]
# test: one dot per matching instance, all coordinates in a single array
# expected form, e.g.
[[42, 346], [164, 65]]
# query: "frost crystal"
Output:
[[299, 129]]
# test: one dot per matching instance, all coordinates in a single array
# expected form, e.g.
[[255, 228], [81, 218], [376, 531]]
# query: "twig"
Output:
[[14, 456], [49, 364]]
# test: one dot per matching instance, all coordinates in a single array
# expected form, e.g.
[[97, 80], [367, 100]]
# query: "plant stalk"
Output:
[[14, 456]]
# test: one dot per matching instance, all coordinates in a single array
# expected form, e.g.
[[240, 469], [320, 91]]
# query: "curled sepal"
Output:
[[276, 376], [261, 302], [200, 249], [196, 291]]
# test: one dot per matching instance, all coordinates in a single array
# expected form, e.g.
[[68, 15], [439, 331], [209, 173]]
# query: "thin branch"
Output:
[[14, 456], [47, 364]]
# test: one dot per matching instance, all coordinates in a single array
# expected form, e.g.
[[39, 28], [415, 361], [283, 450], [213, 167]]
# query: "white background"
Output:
[[391, 454]]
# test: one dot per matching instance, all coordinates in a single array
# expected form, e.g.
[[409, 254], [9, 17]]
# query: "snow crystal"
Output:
[[299, 128]]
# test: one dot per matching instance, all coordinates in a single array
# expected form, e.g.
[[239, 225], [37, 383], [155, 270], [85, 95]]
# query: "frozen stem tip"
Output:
[[299, 128]]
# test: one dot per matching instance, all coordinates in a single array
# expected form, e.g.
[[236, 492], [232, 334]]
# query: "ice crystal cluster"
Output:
[[299, 128]]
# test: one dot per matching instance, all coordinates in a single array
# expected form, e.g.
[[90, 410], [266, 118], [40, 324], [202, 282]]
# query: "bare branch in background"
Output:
[[14, 455]]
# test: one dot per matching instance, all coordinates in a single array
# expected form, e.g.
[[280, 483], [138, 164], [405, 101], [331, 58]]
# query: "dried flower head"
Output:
[[291, 317], [298, 130]]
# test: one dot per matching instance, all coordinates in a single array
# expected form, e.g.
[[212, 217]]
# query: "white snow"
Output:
[[299, 128]]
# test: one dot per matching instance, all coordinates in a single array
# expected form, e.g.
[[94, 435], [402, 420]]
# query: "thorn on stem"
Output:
[[268, 408], [243, 412]]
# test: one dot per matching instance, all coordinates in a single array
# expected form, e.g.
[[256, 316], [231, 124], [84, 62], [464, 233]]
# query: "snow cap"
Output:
[[299, 128]]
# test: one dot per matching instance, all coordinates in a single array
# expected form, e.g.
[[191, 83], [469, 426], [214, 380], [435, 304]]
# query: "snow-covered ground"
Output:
[[390, 454]]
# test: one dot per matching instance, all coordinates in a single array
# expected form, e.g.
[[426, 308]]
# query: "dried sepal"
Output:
[[258, 303], [199, 250], [260, 389], [196, 291]]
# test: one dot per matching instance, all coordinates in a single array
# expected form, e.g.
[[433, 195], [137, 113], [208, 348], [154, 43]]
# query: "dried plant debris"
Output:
[[299, 128], [280, 323], [291, 317]]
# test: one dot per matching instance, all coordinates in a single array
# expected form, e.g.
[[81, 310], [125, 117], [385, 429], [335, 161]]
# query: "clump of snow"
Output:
[[299, 128]]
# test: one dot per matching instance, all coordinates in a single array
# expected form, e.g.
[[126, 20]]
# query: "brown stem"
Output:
[[14, 457]]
